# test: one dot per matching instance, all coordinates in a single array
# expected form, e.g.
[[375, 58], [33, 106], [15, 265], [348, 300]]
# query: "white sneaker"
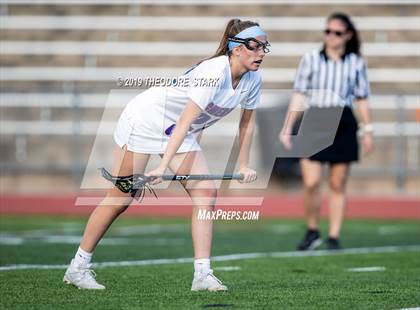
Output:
[[207, 281], [82, 276]]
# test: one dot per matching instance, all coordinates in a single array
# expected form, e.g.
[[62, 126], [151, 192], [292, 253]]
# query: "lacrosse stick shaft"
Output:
[[203, 177], [176, 177], [137, 183]]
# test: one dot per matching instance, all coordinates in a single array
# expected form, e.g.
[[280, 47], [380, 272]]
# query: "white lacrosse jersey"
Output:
[[148, 120]]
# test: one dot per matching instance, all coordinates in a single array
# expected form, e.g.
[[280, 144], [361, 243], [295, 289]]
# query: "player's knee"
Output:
[[207, 187], [312, 185], [203, 194], [210, 190], [117, 201], [337, 186], [120, 209], [211, 193], [208, 193]]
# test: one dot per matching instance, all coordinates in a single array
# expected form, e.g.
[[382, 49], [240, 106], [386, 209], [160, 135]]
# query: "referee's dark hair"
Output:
[[353, 45]]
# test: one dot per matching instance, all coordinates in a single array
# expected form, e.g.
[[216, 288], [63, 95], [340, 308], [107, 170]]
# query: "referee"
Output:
[[327, 79]]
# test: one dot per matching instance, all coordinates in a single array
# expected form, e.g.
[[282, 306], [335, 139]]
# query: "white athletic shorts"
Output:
[[141, 138]]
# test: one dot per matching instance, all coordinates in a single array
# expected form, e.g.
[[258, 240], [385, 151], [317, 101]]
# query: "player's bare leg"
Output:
[[203, 195], [337, 183], [116, 202], [311, 175]]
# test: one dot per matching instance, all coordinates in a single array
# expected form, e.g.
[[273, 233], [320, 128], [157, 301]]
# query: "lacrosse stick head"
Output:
[[135, 184], [140, 185]]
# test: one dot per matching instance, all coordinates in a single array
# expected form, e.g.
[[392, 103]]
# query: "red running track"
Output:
[[287, 206]]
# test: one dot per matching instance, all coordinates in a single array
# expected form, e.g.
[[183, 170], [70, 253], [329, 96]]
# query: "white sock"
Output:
[[82, 257], [201, 265]]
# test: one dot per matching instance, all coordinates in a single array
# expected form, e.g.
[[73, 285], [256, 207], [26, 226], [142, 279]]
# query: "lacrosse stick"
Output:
[[137, 184]]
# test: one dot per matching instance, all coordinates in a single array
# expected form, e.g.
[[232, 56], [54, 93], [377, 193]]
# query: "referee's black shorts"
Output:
[[345, 147]]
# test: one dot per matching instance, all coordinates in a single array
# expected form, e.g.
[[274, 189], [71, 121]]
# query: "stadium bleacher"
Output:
[[59, 59]]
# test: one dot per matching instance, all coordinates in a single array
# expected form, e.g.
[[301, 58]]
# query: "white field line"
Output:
[[227, 268], [231, 257], [112, 241], [197, 23], [367, 269], [50, 235], [282, 229], [149, 229], [388, 230], [9, 240], [76, 228], [75, 239]]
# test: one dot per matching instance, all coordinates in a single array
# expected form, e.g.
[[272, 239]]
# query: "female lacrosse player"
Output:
[[162, 120], [331, 79]]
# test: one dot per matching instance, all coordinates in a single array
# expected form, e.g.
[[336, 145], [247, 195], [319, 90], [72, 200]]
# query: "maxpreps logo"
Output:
[[206, 215]]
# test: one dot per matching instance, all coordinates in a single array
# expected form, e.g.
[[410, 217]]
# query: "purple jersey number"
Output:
[[201, 119]]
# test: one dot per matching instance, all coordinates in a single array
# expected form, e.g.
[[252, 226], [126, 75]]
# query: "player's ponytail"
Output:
[[233, 27], [230, 30]]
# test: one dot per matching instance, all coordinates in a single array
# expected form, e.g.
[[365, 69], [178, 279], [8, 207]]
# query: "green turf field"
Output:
[[266, 282]]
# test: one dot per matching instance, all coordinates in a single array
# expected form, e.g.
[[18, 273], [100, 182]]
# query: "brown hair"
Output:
[[233, 27], [354, 44]]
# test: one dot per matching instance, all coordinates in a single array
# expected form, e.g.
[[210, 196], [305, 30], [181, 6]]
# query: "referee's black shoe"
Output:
[[333, 244], [311, 241]]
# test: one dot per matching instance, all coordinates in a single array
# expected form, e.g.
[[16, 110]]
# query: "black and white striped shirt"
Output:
[[330, 83]]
